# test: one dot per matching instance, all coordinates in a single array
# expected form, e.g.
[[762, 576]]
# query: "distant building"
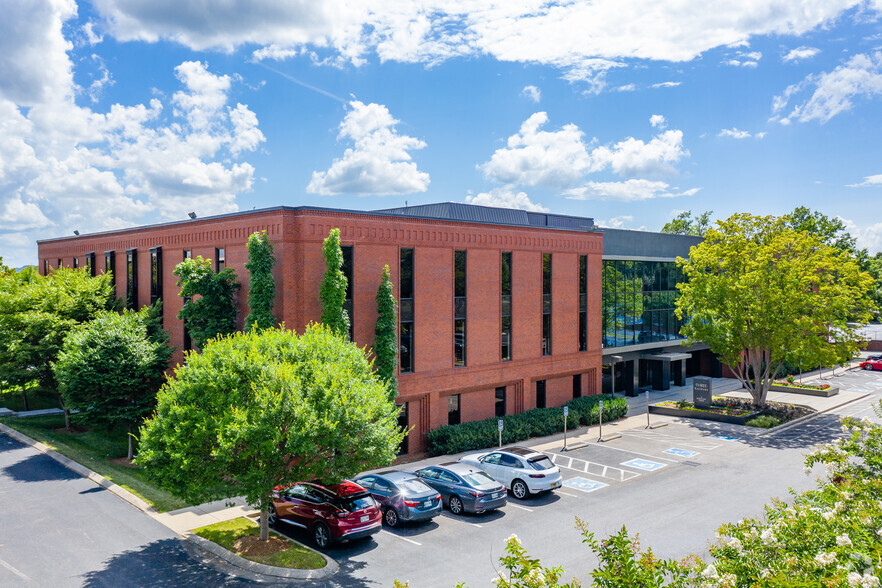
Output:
[[500, 310]]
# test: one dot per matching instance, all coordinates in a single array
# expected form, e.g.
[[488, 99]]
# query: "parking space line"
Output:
[[520, 507], [592, 468], [679, 440], [402, 538], [565, 494], [635, 453], [454, 518]]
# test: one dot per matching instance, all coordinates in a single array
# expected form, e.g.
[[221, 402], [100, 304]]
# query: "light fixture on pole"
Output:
[[76, 232], [192, 215]]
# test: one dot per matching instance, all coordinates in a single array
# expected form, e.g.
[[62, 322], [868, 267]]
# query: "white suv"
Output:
[[523, 470]]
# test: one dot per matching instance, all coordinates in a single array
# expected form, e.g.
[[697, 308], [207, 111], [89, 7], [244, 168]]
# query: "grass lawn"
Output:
[[95, 449], [227, 532], [38, 399]]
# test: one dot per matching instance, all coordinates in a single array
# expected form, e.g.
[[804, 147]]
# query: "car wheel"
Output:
[[868, 367], [519, 490], [455, 505], [272, 516], [390, 517], [321, 535]]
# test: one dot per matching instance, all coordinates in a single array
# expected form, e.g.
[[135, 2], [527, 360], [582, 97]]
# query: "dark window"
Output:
[[540, 393], [546, 304], [505, 313], [453, 414], [132, 279], [405, 311], [76, 262], [583, 303], [220, 257], [500, 401], [510, 461], [59, 266], [403, 424], [45, 267], [155, 274], [90, 263], [577, 385], [188, 254], [110, 265], [347, 271], [459, 308]]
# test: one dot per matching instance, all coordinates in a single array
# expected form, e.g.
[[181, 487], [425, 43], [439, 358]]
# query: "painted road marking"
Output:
[[519, 506], [565, 494], [724, 437], [632, 452], [671, 439], [584, 484], [9, 567], [680, 452], [402, 538], [591, 468], [644, 464]]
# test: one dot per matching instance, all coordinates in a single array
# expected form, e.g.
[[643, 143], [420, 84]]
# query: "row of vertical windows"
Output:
[[454, 401], [155, 274], [132, 279], [505, 307], [546, 304], [90, 263], [405, 297], [459, 308], [583, 303]]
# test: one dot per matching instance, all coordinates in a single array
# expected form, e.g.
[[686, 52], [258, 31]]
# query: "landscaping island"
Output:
[[242, 537], [734, 411]]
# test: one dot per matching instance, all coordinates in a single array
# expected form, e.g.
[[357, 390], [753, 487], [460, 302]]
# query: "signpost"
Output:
[[701, 392], [566, 412], [501, 425], [647, 409], [600, 434]]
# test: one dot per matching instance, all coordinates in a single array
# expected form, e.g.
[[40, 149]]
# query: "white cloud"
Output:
[[505, 197], [875, 180], [735, 133], [627, 191], [800, 54], [658, 121], [832, 92], [744, 59], [92, 37], [98, 84], [634, 157], [380, 161], [867, 236], [533, 157], [618, 222], [666, 84], [533, 93], [582, 39], [626, 88]]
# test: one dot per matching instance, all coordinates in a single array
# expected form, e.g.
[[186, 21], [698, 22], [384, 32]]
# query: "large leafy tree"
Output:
[[209, 308], [262, 408], [333, 290], [261, 284], [111, 367], [685, 224], [37, 312], [761, 294], [385, 335]]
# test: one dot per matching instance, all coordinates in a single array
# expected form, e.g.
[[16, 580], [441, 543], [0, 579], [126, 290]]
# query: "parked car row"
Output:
[[356, 509]]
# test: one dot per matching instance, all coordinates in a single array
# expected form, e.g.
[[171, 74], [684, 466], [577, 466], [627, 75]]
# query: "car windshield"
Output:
[[354, 503], [478, 479], [412, 487], [542, 463]]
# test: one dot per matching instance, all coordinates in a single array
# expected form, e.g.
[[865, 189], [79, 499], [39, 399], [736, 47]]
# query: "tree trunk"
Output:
[[264, 524], [24, 399], [131, 444], [66, 412]]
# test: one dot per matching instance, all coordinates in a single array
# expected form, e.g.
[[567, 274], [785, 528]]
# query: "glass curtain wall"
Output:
[[638, 302]]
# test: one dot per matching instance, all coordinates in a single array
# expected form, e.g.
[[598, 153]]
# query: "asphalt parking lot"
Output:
[[674, 485]]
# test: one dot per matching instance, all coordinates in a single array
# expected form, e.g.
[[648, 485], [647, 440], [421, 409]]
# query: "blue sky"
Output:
[[117, 113]]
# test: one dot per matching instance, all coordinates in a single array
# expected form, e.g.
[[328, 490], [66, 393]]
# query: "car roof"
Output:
[[518, 450], [457, 467], [395, 475], [343, 489]]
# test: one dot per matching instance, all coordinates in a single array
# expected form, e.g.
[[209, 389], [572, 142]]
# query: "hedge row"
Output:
[[537, 422]]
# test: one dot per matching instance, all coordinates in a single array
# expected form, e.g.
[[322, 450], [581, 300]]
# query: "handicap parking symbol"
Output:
[[583, 484], [724, 437], [680, 452], [644, 464]]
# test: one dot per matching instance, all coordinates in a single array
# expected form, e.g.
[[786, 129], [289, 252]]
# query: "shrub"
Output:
[[763, 422], [537, 422]]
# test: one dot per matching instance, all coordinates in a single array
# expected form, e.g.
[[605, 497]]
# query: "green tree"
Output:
[[333, 290], [385, 336], [761, 294], [213, 311], [685, 224], [261, 284], [111, 367], [262, 408], [37, 312]]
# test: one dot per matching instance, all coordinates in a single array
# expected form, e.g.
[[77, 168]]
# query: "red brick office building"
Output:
[[499, 309]]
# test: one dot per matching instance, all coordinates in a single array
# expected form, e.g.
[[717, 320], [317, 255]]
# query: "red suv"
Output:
[[340, 512]]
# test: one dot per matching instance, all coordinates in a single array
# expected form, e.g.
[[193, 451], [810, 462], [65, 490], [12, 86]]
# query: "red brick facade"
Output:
[[297, 235]]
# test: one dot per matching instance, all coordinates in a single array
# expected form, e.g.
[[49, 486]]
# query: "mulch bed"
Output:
[[252, 546], [780, 410]]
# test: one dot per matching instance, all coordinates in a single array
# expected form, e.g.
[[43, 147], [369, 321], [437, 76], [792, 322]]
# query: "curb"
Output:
[[228, 556], [330, 568], [81, 470], [809, 417]]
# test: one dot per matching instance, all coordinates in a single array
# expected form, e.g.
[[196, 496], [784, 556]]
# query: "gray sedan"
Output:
[[464, 487], [402, 496]]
